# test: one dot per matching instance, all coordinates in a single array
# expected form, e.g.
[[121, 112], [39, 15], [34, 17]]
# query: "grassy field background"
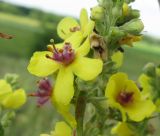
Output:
[[14, 58]]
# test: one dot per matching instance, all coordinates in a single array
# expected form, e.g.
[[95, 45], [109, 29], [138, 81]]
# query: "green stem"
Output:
[[80, 110]]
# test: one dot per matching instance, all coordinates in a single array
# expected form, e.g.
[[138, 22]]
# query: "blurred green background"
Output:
[[31, 30]]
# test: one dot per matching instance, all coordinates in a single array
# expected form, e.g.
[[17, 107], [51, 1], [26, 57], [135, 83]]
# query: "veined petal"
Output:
[[86, 68], [83, 18], [64, 27], [75, 40], [84, 48], [62, 129], [5, 89], [41, 66], [64, 90], [15, 99], [140, 110], [88, 28]]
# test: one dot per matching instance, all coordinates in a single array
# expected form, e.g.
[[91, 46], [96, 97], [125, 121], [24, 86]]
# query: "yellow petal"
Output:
[[64, 27], [76, 39], [83, 19], [62, 129], [64, 90], [41, 66], [15, 100], [141, 110], [117, 58], [122, 129], [86, 68], [111, 93], [120, 80], [5, 89], [64, 111], [89, 28], [84, 48]]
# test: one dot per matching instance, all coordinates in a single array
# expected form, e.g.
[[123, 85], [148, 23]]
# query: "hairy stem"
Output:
[[80, 110]]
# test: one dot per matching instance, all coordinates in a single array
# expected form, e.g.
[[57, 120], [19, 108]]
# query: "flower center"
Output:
[[124, 98], [65, 55], [43, 93]]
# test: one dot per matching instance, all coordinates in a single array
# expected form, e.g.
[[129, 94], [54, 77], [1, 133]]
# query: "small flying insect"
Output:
[[5, 36]]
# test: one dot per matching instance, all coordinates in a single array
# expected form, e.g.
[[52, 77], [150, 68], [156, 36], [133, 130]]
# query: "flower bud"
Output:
[[135, 13], [97, 13], [150, 69], [117, 33], [116, 12], [105, 3], [134, 26], [125, 9]]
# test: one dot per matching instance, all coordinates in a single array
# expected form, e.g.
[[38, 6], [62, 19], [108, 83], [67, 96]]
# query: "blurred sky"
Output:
[[150, 11]]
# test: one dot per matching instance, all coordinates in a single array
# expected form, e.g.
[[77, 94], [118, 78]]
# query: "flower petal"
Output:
[[122, 129], [117, 58], [62, 129], [86, 68], [5, 89], [41, 66], [64, 27], [64, 110], [76, 39], [84, 48], [88, 28], [83, 18], [120, 80], [140, 110], [15, 100], [64, 90]]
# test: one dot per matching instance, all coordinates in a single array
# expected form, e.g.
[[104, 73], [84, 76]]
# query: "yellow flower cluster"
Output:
[[9, 98]]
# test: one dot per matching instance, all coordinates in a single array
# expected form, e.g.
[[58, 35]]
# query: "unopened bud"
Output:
[[135, 13], [105, 3], [116, 12], [134, 26], [150, 69], [97, 13], [125, 9]]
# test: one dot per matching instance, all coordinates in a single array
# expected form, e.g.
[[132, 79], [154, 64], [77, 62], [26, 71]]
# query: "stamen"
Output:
[[125, 98], [65, 55], [74, 29], [43, 93]]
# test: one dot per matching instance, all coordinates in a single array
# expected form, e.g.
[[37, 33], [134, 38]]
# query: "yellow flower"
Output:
[[147, 89], [61, 129], [123, 94], [129, 39], [69, 59], [9, 98], [68, 26], [122, 129], [117, 57]]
